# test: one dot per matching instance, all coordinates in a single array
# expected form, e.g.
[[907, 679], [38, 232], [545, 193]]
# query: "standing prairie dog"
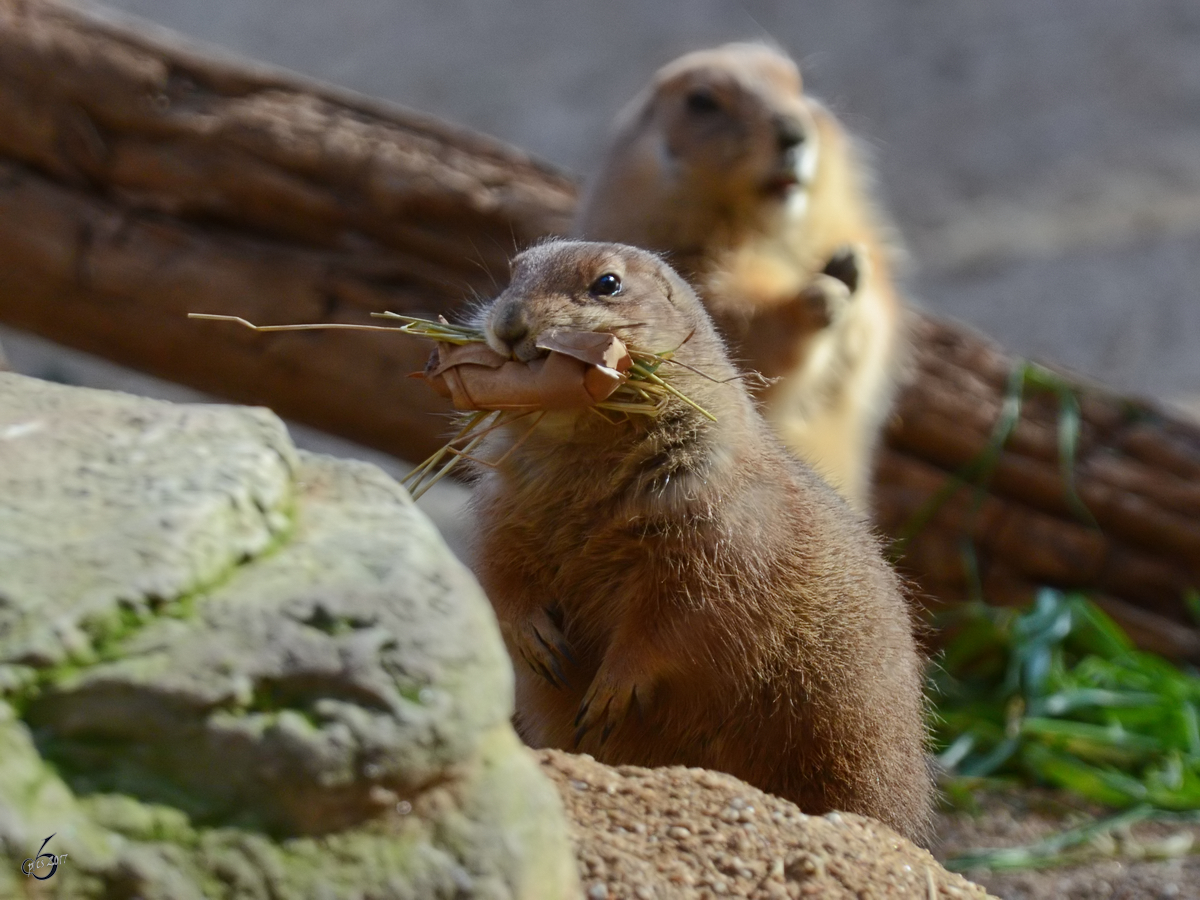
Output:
[[680, 591], [753, 191]]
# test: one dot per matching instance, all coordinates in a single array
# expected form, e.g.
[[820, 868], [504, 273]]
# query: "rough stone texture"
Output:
[[677, 833], [232, 669], [115, 505], [31, 355]]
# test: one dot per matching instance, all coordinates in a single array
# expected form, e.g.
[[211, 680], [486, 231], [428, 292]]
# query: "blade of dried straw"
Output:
[[443, 331], [516, 446], [644, 382], [315, 326], [419, 492], [654, 379], [420, 486], [437, 457]]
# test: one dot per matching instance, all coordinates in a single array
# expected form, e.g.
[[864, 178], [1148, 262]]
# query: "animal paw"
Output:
[[829, 294], [846, 265], [608, 702], [542, 646], [825, 299]]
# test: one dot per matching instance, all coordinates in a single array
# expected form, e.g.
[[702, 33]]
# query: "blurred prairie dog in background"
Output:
[[755, 193]]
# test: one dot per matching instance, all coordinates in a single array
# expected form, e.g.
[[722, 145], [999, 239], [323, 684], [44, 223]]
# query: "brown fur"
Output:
[[752, 222], [685, 592]]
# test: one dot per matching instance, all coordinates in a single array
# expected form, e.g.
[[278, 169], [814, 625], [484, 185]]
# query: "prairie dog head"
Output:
[[725, 133], [613, 288]]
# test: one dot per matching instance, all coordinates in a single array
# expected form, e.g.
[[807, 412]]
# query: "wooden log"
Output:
[[141, 179], [1135, 544]]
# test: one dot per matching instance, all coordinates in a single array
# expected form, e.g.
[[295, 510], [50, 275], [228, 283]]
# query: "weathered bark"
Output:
[[1135, 546], [141, 179]]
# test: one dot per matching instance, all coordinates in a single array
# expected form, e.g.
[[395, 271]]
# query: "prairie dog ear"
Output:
[[831, 137]]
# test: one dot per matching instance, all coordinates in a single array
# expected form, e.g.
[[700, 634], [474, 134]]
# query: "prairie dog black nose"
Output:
[[507, 326], [789, 133]]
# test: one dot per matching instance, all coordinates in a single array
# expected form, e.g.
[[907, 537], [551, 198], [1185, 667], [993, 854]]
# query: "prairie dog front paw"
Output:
[[538, 642]]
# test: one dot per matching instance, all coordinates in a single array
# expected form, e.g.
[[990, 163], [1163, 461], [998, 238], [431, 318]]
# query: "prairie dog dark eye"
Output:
[[606, 285], [702, 102]]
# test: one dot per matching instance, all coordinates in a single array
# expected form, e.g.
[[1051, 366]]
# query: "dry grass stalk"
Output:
[[580, 371]]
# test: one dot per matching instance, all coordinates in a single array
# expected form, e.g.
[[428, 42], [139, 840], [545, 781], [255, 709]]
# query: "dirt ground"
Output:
[[1148, 861], [654, 834], [686, 834]]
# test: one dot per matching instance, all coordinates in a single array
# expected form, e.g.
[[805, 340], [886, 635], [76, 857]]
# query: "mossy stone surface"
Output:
[[230, 669]]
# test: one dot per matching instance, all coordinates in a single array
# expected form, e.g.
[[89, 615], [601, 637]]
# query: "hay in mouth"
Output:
[[579, 370]]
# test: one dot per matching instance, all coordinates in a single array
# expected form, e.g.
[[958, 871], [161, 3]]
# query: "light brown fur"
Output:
[[752, 220], [677, 591]]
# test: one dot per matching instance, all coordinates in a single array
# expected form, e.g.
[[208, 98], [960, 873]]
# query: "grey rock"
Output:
[[294, 690], [113, 506]]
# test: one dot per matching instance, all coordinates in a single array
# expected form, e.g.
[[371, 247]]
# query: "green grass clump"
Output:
[[1058, 695]]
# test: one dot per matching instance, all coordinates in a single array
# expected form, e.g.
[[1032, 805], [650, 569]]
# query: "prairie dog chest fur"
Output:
[[681, 591], [754, 191]]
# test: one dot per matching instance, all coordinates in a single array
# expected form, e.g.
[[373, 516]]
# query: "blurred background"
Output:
[[1041, 159]]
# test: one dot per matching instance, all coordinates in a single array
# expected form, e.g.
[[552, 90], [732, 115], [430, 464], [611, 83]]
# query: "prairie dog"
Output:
[[754, 192], [679, 591]]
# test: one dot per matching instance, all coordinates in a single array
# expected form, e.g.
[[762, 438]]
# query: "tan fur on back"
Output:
[[681, 591], [692, 187]]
